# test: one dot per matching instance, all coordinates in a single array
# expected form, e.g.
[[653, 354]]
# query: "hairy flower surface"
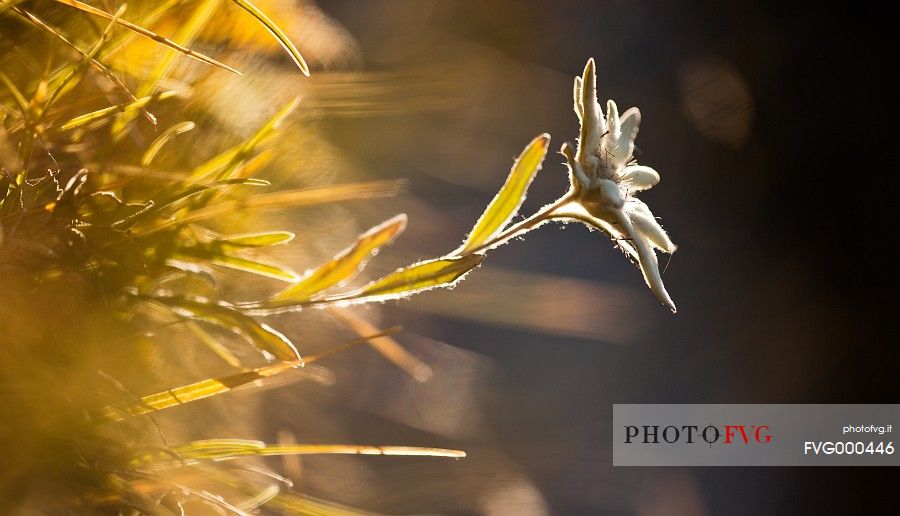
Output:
[[604, 178]]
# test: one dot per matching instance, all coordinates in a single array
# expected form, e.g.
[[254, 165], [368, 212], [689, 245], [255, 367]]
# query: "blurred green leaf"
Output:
[[129, 107], [342, 267], [225, 449], [264, 337], [224, 165], [167, 135], [265, 239], [81, 6], [185, 36], [216, 254], [213, 344], [215, 386], [506, 203], [170, 198], [279, 34]]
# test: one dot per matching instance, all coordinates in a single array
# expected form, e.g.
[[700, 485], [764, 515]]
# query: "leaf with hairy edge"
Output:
[[262, 335], [279, 34], [343, 267], [442, 272], [506, 203]]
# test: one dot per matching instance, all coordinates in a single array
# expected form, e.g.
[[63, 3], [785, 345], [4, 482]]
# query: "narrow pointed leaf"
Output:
[[261, 335], [342, 267], [214, 345], [212, 387], [154, 148], [387, 346], [442, 272], [506, 203], [265, 239], [279, 34], [223, 165], [230, 450], [189, 28], [269, 270], [147, 33], [129, 107]]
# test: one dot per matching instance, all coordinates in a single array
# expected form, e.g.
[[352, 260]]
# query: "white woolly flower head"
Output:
[[605, 176]]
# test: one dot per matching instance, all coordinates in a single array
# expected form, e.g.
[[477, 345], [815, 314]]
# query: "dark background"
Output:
[[785, 274]]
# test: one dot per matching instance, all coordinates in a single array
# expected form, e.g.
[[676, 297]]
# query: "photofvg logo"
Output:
[[754, 435], [694, 434]]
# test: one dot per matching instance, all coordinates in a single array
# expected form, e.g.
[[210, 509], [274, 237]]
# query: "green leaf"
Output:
[[242, 264], [130, 107], [188, 31], [226, 449], [167, 135], [16, 94], [223, 165], [211, 386], [261, 335], [506, 203], [265, 239], [170, 198], [81, 6], [442, 272], [214, 345], [343, 267], [279, 34]]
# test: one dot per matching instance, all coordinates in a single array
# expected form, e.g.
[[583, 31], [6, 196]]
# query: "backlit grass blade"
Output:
[[291, 199], [261, 335], [388, 347], [442, 272], [215, 386], [214, 254], [223, 165], [100, 114], [279, 34], [218, 450], [167, 135], [506, 203], [185, 36], [213, 344], [81, 6], [343, 267], [251, 240], [100, 67], [170, 198]]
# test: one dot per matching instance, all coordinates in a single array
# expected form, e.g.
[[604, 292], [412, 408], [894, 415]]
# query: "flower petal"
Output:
[[592, 123], [639, 177], [576, 94], [631, 119], [646, 260], [613, 124], [575, 211], [647, 225]]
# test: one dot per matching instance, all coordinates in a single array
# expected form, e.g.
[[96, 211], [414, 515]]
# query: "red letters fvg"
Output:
[[655, 434]]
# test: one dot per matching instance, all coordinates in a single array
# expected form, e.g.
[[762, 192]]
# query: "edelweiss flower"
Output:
[[605, 177]]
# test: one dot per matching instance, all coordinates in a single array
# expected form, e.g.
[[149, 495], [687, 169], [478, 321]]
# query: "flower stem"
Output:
[[532, 222]]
